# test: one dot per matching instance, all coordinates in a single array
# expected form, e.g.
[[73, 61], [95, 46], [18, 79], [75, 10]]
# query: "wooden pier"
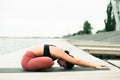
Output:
[[10, 68]]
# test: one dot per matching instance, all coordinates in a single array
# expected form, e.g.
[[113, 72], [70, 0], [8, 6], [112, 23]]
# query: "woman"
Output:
[[42, 57]]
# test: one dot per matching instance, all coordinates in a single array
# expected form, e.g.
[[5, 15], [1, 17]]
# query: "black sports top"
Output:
[[47, 52]]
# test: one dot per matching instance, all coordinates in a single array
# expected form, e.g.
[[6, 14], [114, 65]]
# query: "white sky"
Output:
[[50, 18]]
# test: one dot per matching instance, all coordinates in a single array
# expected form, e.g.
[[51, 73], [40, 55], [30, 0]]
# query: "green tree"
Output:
[[87, 28], [110, 21]]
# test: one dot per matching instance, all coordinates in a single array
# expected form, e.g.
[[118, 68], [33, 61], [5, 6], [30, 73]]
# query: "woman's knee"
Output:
[[47, 61]]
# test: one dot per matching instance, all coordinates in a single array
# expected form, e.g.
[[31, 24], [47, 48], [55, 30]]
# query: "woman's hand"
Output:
[[101, 67]]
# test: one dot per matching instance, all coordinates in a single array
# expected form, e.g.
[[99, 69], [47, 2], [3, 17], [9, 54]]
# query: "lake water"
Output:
[[8, 45]]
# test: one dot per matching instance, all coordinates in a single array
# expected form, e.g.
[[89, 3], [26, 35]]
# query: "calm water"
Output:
[[8, 45]]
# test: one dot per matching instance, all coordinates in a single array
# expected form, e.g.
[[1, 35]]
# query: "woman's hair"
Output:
[[69, 65]]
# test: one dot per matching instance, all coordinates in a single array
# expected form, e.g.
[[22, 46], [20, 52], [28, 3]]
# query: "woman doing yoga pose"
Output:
[[43, 57]]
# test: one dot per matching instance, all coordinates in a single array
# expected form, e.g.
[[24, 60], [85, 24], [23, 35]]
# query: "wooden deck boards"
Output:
[[101, 50], [115, 62]]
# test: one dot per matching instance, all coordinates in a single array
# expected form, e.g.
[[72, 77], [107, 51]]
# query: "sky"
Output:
[[50, 18]]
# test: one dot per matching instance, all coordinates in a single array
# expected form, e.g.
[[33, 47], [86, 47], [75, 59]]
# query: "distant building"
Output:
[[116, 12]]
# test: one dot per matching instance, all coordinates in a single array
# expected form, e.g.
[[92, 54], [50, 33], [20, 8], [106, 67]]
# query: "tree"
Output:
[[87, 28], [113, 23], [110, 21]]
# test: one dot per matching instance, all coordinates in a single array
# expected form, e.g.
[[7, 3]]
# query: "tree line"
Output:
[[109, 23]]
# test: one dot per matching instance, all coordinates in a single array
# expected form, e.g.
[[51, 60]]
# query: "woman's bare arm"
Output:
[[81, 62], [78, 62], [84, 63], [61, 54]]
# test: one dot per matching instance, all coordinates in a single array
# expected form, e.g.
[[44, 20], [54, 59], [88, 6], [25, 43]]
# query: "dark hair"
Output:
[[69, 65]]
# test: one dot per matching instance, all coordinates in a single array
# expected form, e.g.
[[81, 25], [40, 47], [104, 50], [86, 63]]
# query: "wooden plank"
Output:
[[101, 50], [115, 62]]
